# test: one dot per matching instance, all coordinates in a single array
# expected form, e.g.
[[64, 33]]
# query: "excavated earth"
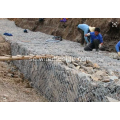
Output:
[[110, 28], [88, 76]]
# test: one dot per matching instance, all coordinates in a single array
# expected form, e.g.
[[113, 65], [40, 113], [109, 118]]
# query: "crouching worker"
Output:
[[96, 40], [86, 29], [118, 48]]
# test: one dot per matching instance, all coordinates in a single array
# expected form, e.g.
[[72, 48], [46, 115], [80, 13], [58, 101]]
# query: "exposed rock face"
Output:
[[68, 30]]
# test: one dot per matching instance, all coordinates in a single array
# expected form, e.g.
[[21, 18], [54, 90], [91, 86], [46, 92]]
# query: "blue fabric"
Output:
[[25, 31], [118, 47], [63, 20], [98, 37], [8, 34], [85, 28]]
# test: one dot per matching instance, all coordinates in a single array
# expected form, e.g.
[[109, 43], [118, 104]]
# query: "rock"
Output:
[[77, 60], [10, 75], [95, 65], [117, 82], [94, 77], [64, 61], [105, 77], [84, 76], [111, 99], [75, 64], [94, 84], [113, 77], [106, 80], [110, 72], [82, 70], [89, 70], [89, 63], [77, 68], [113, 55], [84, 63], [98, 75], [71, 65]]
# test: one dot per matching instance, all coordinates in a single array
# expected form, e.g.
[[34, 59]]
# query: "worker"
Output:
[[86, 29], [118, 48], [96, 40]]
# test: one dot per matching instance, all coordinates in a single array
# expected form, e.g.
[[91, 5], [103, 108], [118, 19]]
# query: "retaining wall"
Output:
[[56, 81]]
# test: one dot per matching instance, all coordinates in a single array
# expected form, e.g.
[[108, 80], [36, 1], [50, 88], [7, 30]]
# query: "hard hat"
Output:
[[92, 29]]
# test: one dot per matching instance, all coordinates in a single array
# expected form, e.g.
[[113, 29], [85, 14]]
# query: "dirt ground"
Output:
[[13, 86], [4, 47]]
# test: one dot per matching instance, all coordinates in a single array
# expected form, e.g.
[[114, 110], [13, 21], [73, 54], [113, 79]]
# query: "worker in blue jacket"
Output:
[[96, 40], [86, 29], [118, 48]]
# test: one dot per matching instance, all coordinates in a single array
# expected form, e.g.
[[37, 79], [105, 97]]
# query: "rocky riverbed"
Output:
[[101, 70]]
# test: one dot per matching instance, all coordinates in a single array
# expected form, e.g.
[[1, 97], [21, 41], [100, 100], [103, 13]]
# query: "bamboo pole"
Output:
[[26, 57]]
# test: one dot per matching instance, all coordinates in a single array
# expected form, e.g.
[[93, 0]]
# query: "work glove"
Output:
[[119, 53], [100, 45]]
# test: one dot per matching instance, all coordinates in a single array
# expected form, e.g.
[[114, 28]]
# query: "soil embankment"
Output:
[[110, 28]]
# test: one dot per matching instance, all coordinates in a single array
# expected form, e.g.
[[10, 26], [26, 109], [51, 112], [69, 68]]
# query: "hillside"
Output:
[[69, 31]]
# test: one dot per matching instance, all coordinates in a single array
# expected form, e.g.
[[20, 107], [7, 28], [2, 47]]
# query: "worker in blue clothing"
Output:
[[86, 29], [118, 48], [96, 40]]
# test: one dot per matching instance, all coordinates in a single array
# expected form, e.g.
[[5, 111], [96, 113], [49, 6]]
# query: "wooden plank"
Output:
[[26, 57]]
